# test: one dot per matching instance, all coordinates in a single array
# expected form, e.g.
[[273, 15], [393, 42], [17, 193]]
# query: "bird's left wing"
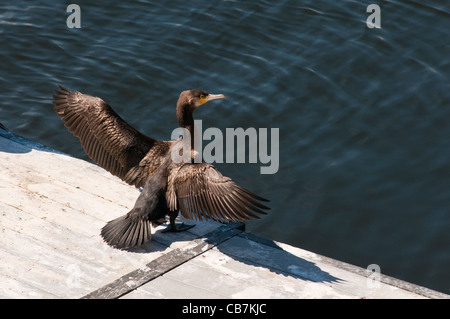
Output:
[[201, 191]]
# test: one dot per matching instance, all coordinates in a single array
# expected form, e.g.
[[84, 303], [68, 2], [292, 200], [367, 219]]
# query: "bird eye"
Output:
[[202, 97]]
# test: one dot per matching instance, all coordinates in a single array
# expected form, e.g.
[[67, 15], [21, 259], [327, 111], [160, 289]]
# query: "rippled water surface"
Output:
[[363, 114]]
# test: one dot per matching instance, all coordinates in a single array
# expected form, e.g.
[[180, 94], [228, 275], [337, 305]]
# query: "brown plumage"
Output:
[[107, 139], [197, 190]]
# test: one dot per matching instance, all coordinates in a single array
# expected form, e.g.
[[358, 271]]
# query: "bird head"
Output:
[[195, 98]]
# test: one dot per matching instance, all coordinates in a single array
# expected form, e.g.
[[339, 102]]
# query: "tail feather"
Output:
[[127, 232]]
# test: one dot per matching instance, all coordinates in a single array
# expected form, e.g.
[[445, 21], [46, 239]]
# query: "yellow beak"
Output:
[[211, 97]]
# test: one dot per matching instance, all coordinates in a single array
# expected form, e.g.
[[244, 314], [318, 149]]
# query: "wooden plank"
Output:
[[49, 166], [223, 274], [164, 287], [44, 237], [67, 195], [42, 268], [56, 254], [304, 265], [216, 273], [84, 248], [11, 288], [163, 264], [48, 210], [243, 268]]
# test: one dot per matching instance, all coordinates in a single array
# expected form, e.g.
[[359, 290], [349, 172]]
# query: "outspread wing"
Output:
[[107, 138], [201, 191]]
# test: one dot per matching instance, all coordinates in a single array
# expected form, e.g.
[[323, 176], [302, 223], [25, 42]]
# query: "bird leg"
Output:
[[174, 227]]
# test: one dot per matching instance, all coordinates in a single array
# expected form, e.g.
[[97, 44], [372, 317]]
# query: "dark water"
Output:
[[363, 114]]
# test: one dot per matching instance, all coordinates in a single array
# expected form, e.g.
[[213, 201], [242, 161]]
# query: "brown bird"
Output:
[[197, 190]]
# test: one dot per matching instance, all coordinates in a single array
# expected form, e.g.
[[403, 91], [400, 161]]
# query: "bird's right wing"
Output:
[[201, 191], [107, 138]]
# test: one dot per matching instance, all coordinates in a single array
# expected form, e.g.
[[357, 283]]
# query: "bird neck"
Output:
[[185, 119], [185, 116]]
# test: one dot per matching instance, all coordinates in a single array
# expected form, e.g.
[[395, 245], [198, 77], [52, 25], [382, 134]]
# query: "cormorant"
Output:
[[197, 190]]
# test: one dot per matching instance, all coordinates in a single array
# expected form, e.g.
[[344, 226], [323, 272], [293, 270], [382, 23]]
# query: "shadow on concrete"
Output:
[[245, 248], [262, 252]]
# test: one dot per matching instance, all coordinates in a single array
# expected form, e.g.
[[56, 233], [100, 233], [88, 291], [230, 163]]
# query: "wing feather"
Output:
[[108, 139], [202, 193]]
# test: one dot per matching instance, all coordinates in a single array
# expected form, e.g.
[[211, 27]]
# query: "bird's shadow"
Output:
[[243, 247], [262, 252]]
